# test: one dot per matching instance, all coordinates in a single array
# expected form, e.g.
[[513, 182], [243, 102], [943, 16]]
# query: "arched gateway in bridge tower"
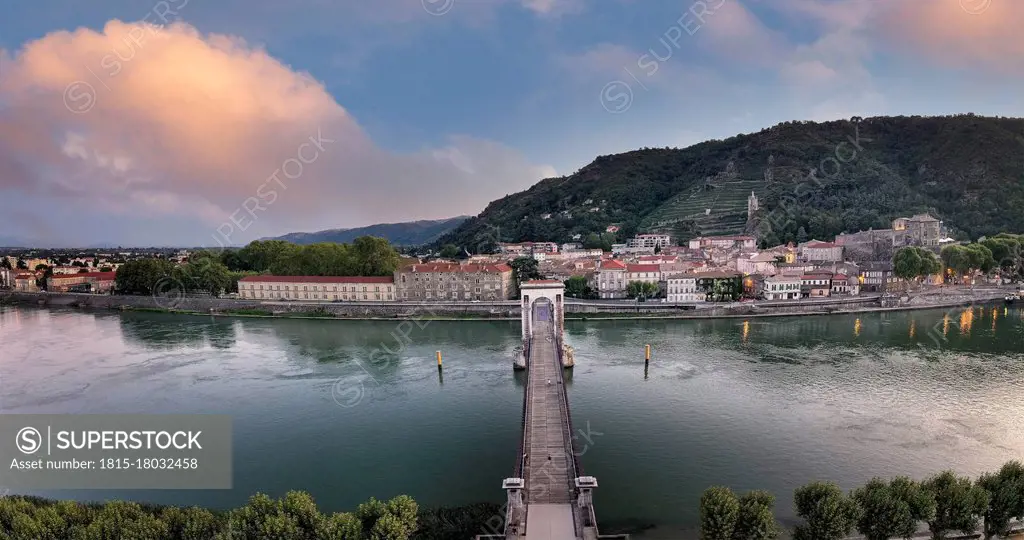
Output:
[[539, 298], [543, 300]]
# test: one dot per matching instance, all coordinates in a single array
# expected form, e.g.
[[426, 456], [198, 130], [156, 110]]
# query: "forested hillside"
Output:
[[824, 178]]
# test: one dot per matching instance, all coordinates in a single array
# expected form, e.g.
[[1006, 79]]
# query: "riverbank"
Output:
[[501, 310]]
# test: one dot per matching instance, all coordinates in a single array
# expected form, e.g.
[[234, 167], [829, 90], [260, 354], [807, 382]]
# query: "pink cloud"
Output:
[[144, 120], [980, 33]]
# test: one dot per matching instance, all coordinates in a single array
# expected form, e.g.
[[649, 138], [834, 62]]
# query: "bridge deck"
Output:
[[549, 473], [548, 467]]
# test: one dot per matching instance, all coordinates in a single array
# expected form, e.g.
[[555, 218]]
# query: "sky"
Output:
[[202, 122]]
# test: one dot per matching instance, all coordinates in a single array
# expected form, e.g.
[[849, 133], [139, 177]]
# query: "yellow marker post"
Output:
[[438, 359], [647, 353]]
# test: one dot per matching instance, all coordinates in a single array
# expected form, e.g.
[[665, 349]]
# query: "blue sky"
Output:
[[434, 107]]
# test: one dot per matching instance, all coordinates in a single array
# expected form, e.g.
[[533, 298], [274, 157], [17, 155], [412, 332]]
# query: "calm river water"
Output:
[[345, 410]]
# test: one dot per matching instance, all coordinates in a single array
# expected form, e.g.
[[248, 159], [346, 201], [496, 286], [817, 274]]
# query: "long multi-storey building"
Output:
[[455, 282], [97, 282], [318, 288], [649, 241]]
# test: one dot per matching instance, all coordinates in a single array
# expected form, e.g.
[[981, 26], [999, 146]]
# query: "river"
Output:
[[346, 410]]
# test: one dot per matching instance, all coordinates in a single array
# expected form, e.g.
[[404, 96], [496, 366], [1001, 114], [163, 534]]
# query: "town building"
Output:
[[817, 251], [758, 263], [94, 282], [781, 287], [816, 285], [526, 249], [845, 285], [720, 286], [625, 249], [449, 281], [683, 288], [318, 288], [64, 270], [753, 285], [650, 241], [6, 278], [752, 206], [876, 276], [611, 279], [724, 242], [922, 230], [25, 282], [647, 273]]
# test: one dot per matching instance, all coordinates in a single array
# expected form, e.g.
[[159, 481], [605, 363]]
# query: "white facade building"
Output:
[[611, 279], [318, 288], [782, 287], [649, 241], [683, 289]]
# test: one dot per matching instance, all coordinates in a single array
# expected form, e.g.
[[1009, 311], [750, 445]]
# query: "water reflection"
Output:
[[856, 327], [966, 321], [746, 331], [168, 332], [913, 328]]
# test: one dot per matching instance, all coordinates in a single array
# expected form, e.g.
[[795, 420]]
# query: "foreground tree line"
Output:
[[880, 510], [293, 517]]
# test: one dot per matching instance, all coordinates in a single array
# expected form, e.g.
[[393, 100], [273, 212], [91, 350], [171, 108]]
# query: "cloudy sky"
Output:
[[195, 121]]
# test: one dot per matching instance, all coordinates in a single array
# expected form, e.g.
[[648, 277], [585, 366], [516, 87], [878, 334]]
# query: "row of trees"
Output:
[[293, 517], [215, 273], [365, 256], [880, 510]]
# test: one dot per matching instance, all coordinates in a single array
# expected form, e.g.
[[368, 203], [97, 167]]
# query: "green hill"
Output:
[[824, 178]]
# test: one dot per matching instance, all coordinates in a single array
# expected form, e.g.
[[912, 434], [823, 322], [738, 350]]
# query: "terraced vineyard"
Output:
[[719, 206]]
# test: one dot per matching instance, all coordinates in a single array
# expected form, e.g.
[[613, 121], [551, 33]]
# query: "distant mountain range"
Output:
[[412, 233]]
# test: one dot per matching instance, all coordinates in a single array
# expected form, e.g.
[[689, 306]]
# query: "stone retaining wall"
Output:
[[493, 309]]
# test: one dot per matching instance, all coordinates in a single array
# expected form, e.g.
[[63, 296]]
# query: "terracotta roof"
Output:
[[318, 279], [643, 268], [452, 267], [543, 282], [105, 276], [839, 277], [818, 244], [24, 275], [612, 264]]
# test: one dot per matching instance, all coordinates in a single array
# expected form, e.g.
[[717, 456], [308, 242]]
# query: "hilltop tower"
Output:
[[752, 206]]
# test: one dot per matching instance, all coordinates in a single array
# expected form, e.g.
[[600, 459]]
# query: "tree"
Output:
[[828, 514], [906, 263], [1005, 491], [959, 504], [374, 256], [912, 262], [5, 263], [756, 520], [524, 269], [801, 235], [641, 290], [578, 287], [719, 511], [21, 264], [142, 275], [449, 251], [893, 508]]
